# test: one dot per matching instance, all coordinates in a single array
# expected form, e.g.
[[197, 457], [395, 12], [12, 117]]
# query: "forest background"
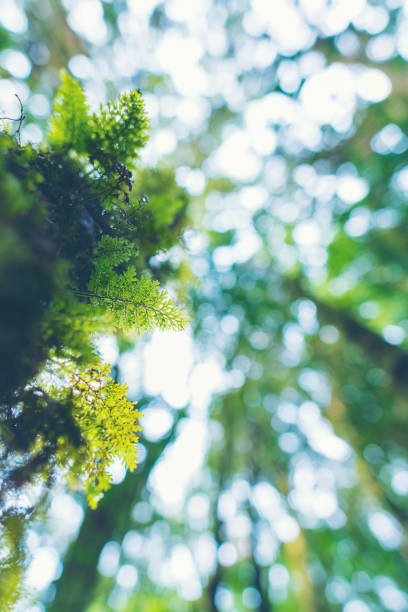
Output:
[[274, 469]]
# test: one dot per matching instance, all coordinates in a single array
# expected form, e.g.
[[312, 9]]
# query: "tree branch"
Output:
[[20, 119]]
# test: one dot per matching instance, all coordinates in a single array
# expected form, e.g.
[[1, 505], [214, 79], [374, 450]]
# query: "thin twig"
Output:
[[20, 119]]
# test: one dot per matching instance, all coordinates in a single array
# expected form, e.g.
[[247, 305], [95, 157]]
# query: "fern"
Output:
[[133, 303], [110, 138], [120, 129], [110, 252], [69, 127], [78, 243], [109, 424], [107, 421], [76, 247]]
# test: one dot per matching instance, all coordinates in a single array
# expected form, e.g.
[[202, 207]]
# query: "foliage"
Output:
[[121, 128], [12, 566], [110, 138], [68, 272], [301, 501], [69, 125], [133, 303], [74, 263], [107, 423]]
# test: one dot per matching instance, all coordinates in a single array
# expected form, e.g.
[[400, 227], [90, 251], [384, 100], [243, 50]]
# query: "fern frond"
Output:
[[69, 128], [120, 129], [109, 425], [137, 304]]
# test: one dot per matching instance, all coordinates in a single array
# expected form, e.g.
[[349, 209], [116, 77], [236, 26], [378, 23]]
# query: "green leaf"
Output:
[[69, 127]]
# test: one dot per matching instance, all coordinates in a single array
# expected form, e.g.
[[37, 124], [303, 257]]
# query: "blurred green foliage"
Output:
[[301, 500]]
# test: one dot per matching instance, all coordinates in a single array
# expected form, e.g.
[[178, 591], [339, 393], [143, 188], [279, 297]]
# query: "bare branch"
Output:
[[20, 119]]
